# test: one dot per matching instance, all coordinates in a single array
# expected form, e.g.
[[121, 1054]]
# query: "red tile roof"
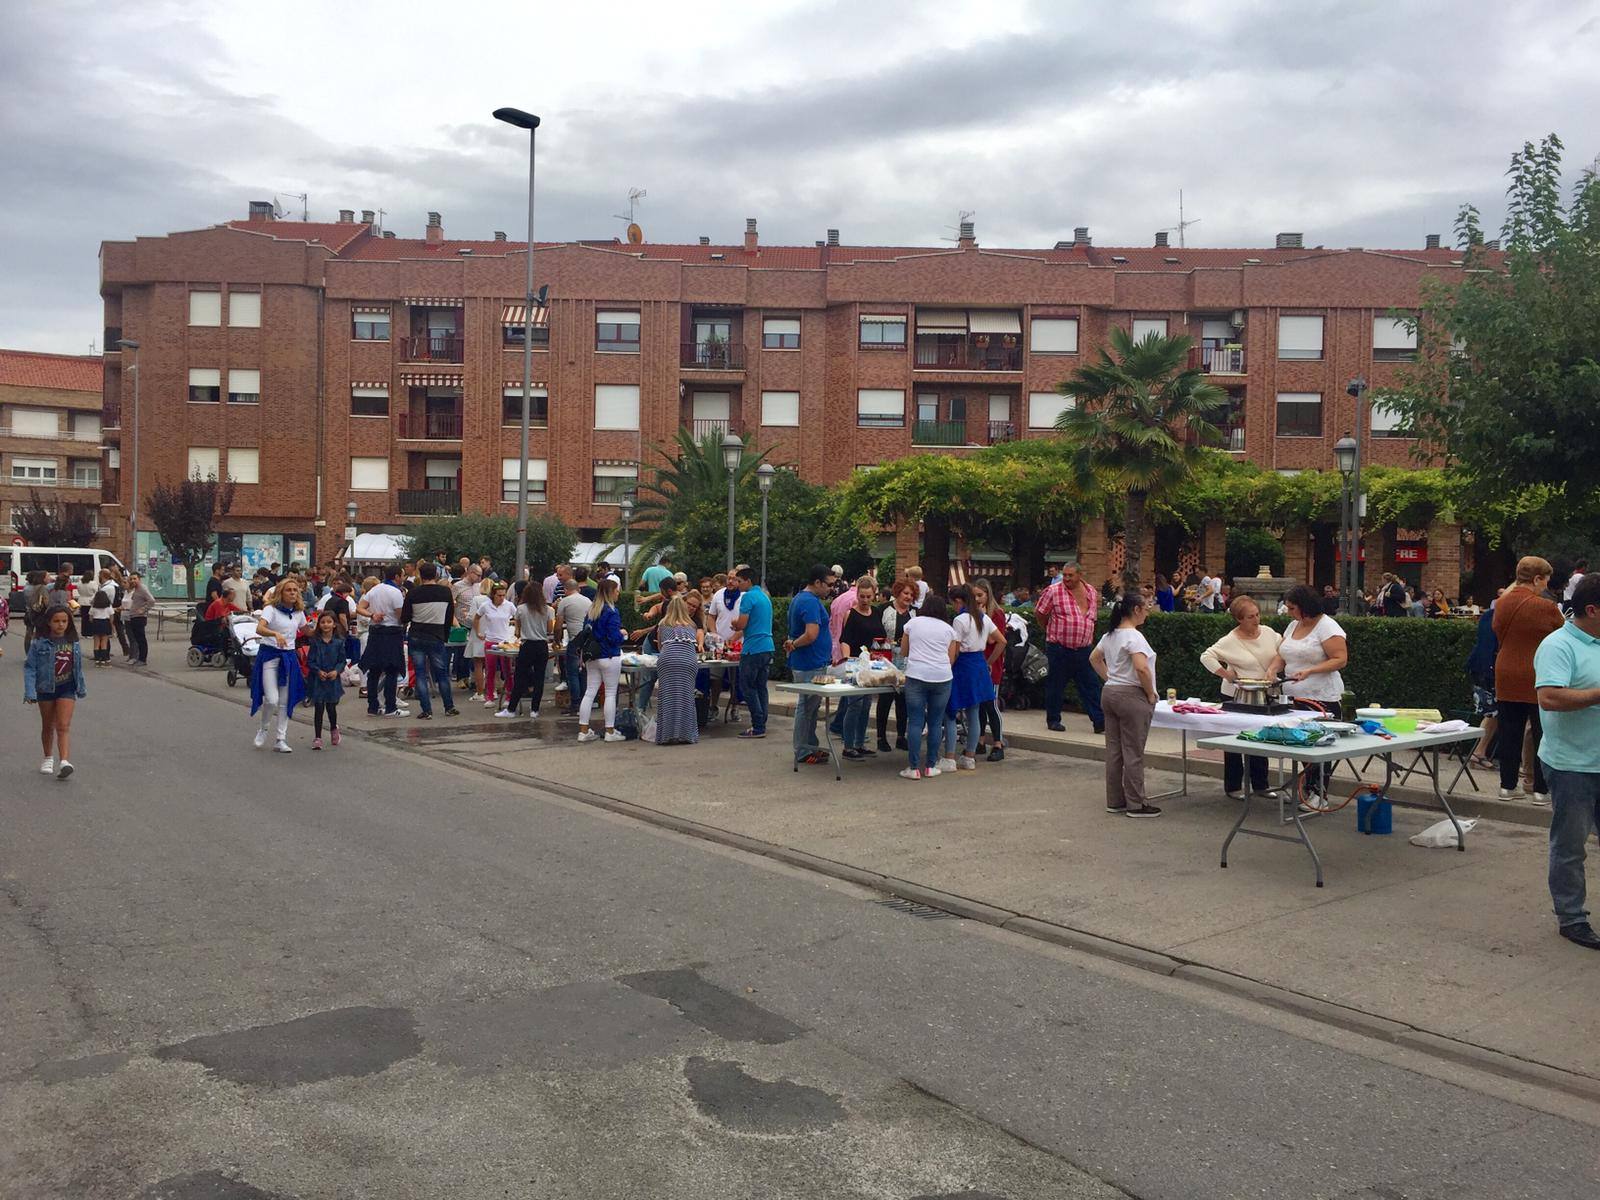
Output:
[[67, 372]]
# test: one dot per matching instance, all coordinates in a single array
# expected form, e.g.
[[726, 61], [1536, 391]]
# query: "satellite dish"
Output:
[[635, 234]]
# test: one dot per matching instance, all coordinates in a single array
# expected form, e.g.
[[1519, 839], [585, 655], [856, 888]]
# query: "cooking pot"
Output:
[[1257, 693]]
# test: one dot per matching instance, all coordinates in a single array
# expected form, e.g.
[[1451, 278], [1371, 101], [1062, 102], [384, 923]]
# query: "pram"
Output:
[[242, 643], [207, 641], [1025, 669]]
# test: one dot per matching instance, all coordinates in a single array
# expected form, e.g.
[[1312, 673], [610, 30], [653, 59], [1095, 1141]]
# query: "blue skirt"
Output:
[[971, 683]]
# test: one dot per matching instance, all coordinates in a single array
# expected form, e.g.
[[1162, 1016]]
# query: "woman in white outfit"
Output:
[[276, 683], [1311, 656]]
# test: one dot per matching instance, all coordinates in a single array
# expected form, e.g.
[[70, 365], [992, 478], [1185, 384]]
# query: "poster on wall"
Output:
[[165, 581], [260, 550], [300, 552]]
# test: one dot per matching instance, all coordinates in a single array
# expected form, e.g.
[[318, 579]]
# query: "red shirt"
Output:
[[1066, 622]]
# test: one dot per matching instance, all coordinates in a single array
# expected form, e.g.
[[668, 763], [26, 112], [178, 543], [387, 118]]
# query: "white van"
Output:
[[19, 560]]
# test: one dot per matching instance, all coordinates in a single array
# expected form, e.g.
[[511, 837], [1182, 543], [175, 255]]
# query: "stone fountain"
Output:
[[1263, 588]]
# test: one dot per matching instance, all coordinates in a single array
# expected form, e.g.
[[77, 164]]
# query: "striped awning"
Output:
[[515, 385], [436, 301], [370, 308], [369, 383], [517, 314], [429, 379], [616, 462]]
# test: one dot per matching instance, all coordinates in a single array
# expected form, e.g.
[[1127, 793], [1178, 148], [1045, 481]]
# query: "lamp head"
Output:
[[1356, 386], [1344, 453], [515, 116], [732, 450], [764, 474], [627, 509], [350, 513], [127, 344]]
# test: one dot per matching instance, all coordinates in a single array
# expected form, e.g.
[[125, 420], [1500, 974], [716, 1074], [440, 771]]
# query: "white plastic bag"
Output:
[[1441, 835], [649, 732], [352, 676]]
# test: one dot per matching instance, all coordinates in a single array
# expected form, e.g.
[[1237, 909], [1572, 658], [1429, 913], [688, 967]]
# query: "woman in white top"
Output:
[[492, 623], [535, 620], [971, 684], [929, 647], [1127, 663], [276, 681], [1311, 655], [1247, 651]]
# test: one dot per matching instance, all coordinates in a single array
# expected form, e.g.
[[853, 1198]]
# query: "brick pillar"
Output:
[[907, 546], [1093, 551], [1297, 554], [1379, 545], [1443, 568], [1214, 546]]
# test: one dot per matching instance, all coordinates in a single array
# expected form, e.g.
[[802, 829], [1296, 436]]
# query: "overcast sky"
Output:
[[1356, 123]]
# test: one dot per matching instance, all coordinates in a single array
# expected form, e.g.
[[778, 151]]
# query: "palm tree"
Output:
[[690, 481], [1138, 426]]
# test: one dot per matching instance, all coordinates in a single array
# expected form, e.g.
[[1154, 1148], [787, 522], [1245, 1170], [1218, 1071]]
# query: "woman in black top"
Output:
[[862, 627], [892, 617]]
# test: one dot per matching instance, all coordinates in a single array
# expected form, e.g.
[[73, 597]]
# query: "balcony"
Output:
[[427, 502], [980, 352], [1233, 439], [429, 427], [59, 435], [939, 433], [109, 343], [703, 427], [1002, 431], [433, 348], [1218, 360], [712, 356], [110, 415]]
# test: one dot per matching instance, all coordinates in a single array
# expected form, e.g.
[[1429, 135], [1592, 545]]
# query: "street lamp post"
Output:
[[350, 532], [732, 453], [1356, 388], [626, 508], [524, 120], [133, 506], [1345, 454], [764, 474]]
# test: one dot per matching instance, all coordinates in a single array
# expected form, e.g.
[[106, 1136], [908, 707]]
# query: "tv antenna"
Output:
[[962, 218], [1182, 223], [634, 196], [279, 211]]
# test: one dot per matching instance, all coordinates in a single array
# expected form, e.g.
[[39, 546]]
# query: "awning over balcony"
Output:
[[429, 379], [376, 385], [370, 308], [994, 322], [435, 301], [513, 387], [517, 314], [941, 321]]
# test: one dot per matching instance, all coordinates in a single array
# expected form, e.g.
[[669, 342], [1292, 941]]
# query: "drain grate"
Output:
[[910, 908]]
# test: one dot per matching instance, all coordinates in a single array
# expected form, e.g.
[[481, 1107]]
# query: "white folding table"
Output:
[[828, 692]]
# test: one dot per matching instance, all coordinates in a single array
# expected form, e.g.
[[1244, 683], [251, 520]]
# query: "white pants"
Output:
[[609, 672], [270, 698]]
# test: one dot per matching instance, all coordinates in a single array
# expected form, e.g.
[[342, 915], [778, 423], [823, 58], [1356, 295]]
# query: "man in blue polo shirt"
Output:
[[754, 622], [810, 649], [1566, 678]]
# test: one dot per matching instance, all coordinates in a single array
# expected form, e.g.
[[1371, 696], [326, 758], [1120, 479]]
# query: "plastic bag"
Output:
[[1441, 835], [352, 676], [648, 734]]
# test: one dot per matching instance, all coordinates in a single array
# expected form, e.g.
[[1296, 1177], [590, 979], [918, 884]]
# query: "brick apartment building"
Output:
[[322, 363], [50, 406]]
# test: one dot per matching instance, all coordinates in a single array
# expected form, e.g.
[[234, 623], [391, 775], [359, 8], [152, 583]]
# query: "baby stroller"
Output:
[[207, 641], [242, 643], [1025, 669]]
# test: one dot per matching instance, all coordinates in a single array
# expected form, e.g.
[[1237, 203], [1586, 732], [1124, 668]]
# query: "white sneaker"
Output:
[[1512, 794], [66, 769], [588, 735], [910, 773], [48, 767], [947, 764], [613, 736], [283, 748], [534, 715], [505, 712], [966, 763], [1541, 798], [261, 738], [489, 703], [561, 687], [929, 772]]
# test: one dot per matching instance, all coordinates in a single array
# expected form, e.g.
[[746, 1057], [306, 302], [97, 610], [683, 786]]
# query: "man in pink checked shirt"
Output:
[[1068, 608]]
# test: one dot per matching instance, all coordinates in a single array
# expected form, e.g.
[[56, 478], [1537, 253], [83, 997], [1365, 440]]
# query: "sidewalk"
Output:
[[1460, 945]]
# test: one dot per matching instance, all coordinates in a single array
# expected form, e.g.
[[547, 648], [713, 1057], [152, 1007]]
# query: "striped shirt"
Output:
[[1067, 623]]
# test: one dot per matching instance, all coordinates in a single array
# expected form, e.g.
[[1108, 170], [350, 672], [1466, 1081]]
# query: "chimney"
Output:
[[499, 235], [1080, 235], [435, 227], [1063, 245], [968, 239], [704, 240], [1291, 241], [388, 233], [261, 210], [833, 237], [750, 235], [1161, 238], [1492, 244], [367, 216], [347, 216], [1433, 241]]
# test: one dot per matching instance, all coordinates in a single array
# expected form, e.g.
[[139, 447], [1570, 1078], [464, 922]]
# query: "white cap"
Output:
[[837, 569]]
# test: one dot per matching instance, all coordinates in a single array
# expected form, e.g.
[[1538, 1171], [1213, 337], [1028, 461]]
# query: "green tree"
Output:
[[1138, 426], [475, 534], [943, 492], [1506, 386], [42, 522], [185, 514]]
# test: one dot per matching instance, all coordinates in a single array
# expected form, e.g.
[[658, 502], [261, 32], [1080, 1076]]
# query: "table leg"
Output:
[[1461, 834], [1244, 811], [1184, 790], [1293, 804], [1305, 840], [827, 732]]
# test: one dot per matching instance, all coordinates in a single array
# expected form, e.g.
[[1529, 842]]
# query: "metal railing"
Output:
[[110, 415], [934, 353], [434, 426], [426, 502], [1233, 439], [712, 356], [1218, 360], [434, 347], [702, 427], [1002, 431], [59, 435], [939, 433]]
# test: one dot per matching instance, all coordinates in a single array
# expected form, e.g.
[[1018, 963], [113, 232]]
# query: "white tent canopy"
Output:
[[588, 553], [375, 547]]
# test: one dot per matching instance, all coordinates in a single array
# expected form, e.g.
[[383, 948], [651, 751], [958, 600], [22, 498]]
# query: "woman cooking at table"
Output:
[[1246, 651], [1311, 656]]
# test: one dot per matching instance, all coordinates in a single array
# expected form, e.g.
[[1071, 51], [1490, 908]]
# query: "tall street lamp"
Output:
[[1357, 388], [524, 120], [732, 453], [764, 474], [350, 532], [1345, 454], [133, 506], [626, 508]]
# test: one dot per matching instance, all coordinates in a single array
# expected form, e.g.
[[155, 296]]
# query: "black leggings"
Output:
[[528, 678], [331, 707], [899, 702], [1514, 718], [989, 719]]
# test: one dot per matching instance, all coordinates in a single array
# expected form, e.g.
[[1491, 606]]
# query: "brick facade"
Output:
[[50, 437]]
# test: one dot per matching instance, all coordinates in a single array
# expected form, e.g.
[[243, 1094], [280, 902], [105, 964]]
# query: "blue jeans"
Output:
[[1065, 661], [974, 732], [925, 705], [432, 658], [856, 711], [460, 669], [1574, 816], [753, 672], [577, 679], [806, 709]]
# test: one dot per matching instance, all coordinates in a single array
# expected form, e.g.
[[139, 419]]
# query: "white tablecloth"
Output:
[[1214, 724]]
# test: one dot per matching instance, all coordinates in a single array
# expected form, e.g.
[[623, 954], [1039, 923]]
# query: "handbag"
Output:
[[585, 643]]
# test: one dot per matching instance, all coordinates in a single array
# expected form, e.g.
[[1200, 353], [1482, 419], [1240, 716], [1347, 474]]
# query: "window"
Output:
[[369, 474], [617, 333], [927, 407], [370, 325], [780, 408], [1143, 327], [1393, 340], [538, 480], [442, 474], [1299, 337], [780, 333], [1045, 407], [205, 462], [883, 333], [369, 402], [616, 405], [85, 474], [205, 385], [244, 387], [882, 407], [35, 422], [1299, 414], [33, 470], [244, 310], [613, 481], [1386, 423], [205, 308], [244, 466], [86, 427], [1054, 335], [999, 408], [511, 336], [511, 406]]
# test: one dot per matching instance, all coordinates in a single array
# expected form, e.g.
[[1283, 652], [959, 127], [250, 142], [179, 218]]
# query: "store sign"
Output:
[[1413, 552]]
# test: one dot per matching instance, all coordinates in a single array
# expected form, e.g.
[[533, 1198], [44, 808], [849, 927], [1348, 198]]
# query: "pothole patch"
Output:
[[714, 1009], [739, 1101], [207, 1185], [342, 1042]]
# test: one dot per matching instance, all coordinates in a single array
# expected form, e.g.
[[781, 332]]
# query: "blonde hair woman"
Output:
[[679, 640], [276, 681], [605, 627]]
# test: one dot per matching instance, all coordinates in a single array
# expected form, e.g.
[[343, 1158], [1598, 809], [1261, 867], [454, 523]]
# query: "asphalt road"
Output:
[[227, 974]]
